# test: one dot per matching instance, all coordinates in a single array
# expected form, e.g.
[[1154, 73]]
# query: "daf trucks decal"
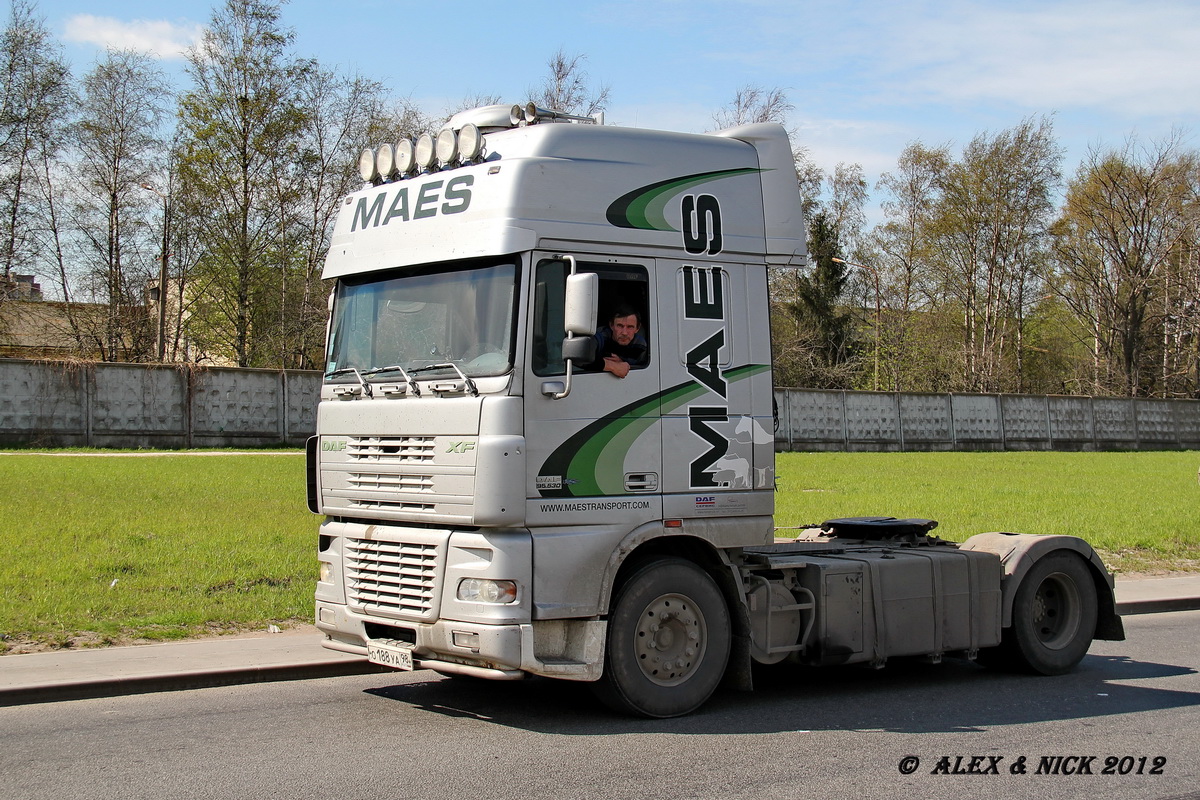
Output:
[[426, 200], [645, 207], [590, 462]]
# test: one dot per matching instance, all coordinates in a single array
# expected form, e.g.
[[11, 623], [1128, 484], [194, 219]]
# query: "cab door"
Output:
[[603, 440]]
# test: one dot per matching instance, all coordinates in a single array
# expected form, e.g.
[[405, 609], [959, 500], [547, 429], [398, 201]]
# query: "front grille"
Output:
[[391, 481], [393, 578], [391, 449], [391, 505]]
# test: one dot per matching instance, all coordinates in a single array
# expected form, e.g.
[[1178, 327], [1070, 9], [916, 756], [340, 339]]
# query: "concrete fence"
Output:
[[66, 404], [827, 420]]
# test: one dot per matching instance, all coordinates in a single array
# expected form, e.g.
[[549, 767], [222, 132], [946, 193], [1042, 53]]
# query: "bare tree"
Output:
[[240, 122], [566, 87], [1125, 244], [35, 101], [990, 231], [343, 115], [904, 254], [122, 109], [754, 104]]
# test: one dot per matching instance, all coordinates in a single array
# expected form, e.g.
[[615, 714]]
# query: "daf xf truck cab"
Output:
[[498, 505]]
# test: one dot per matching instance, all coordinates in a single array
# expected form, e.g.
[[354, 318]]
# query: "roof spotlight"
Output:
[[405, 158], [385, 161], [424, 151], [366, 165], [470, 142], [447, 146]]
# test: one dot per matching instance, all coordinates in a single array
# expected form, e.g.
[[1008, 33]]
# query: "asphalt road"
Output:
[[805, 733]]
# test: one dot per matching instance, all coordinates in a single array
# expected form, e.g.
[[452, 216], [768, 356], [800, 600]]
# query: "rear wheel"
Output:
[[668, 641], [1054, 616]]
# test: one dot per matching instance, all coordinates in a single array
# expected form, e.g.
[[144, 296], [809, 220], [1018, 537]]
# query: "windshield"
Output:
[[460, 314]]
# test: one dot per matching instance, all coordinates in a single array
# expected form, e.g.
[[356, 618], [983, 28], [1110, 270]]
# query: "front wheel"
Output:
[[1054, 616], [668, 641]]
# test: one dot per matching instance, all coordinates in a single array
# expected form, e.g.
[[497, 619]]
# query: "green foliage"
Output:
[[1126, 246], [820, 353]]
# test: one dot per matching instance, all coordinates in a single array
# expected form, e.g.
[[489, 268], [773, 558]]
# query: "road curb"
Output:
[[331, 668], [1158, 606], [184, 681]]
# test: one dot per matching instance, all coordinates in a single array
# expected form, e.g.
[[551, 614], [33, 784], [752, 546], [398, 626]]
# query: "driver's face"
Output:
[[624, 329]]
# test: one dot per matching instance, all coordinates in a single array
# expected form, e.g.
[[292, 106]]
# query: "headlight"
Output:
[[326, 572], [482, 590]]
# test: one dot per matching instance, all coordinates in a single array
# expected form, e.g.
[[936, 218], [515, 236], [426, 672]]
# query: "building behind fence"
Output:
[[65, 404]]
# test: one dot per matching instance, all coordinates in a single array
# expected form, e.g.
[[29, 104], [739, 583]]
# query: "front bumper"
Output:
[[568, 649]]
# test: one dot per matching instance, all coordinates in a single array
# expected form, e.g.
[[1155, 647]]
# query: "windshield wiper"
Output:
[[412, 384], [470, 384], [366, 387]]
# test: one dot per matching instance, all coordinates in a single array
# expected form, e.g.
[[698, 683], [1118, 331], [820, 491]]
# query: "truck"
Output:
[[498, 504]]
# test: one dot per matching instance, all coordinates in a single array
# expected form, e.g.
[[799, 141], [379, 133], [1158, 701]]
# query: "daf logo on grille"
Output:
[[460, 447]]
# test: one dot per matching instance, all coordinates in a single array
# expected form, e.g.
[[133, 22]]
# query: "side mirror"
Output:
[[579, 350], [579, 312]]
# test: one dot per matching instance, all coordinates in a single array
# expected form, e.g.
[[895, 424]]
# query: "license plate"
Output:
[[390, 655]]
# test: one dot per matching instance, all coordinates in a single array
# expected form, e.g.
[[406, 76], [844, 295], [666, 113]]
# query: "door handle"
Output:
[[641, 481]]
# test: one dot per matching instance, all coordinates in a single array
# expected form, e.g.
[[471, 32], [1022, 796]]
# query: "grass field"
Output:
[[152, 546], [108, 549], [1142, 510]]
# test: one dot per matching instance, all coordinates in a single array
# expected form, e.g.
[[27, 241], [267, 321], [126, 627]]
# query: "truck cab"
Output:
[[499, 504]]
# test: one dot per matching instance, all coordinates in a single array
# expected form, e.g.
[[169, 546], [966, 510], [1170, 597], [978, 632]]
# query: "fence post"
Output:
[[845, 424], [1000, 417], [953, 424], [1137, 434], [89, 406], [1049, 424], [283, 406], [189, 400]]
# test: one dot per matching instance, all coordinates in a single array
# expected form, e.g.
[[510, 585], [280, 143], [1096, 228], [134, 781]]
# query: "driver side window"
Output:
[[623, 289]]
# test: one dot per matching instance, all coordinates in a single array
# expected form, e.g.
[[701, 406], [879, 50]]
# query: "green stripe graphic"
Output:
[[645, 207], [591, 460]]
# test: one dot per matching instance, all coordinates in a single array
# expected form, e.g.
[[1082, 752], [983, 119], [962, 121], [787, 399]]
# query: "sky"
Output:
[[865, 78]]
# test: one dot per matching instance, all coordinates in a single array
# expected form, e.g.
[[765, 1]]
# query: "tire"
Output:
[[668, 641], [1054, 616]]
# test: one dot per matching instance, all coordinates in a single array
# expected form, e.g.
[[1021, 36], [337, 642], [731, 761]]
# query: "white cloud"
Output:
[[1141, 58], [1132, 57], [165, 39]]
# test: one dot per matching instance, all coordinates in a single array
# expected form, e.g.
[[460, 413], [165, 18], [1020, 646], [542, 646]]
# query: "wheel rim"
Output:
[[670, 640], [1057, 611]]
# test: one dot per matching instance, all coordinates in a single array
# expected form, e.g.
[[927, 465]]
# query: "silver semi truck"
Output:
[[545, 436]]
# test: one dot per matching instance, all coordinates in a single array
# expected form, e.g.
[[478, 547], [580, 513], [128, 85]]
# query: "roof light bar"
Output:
[[450, 147]]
